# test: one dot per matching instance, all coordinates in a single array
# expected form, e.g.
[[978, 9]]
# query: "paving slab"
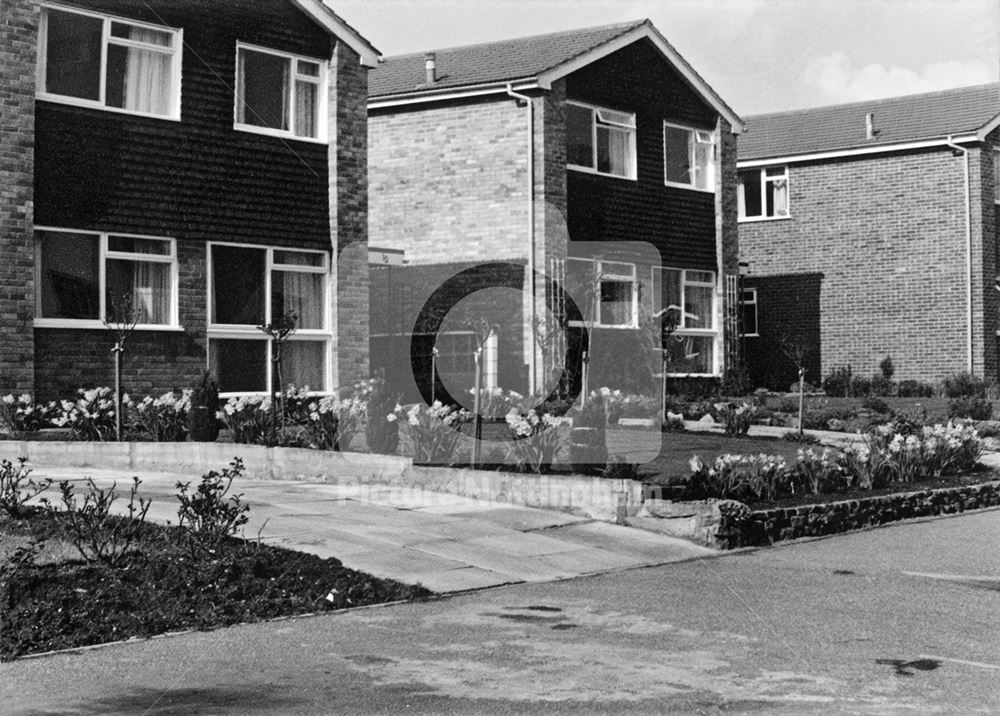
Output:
[[631, 542], [527, 519]]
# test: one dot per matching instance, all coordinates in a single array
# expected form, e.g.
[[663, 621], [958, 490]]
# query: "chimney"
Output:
[[870, 130], [430, 67]]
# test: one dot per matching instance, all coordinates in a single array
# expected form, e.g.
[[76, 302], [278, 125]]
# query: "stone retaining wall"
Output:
[[765, 527]]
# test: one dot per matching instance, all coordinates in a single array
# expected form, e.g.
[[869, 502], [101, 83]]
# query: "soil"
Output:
[[50, 599]]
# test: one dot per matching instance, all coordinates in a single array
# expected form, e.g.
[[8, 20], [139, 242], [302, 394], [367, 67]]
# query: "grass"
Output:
[[50, 598]]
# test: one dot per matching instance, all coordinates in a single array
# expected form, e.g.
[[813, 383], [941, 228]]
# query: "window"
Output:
[[763, 193], [605, 292], [688, 157], [112, 63], [689, 299], [748, 313], [996, 174], [252, 286], [280, 94], [86, 278], [600, 140]]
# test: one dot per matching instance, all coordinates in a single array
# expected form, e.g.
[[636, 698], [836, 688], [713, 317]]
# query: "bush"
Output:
[[914, 389], [163, 419], [381, 432], [838, 381], [882, 386], [17, 487], [887, 369], [203, 421], [210, 513], [971, 408], [736, 418], [965, 385], [796, 436], [98, 535], [876, 405]]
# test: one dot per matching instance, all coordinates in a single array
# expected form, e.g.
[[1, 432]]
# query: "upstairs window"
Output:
[[763, 193], [688, 157], [280, 94], [116, 64], [600, 140]]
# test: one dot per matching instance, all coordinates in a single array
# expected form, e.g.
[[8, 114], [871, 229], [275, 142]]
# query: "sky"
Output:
[[758, 55]]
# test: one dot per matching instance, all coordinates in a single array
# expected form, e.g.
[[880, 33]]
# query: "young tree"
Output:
[[279, 330], [797, 348], [122, 317]]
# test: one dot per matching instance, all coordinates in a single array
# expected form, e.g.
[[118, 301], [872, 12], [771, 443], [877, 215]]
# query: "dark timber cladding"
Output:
[[196, 178], [679, 222]]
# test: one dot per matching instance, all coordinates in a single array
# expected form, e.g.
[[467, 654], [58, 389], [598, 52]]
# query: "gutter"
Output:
[[532, 342], [968, 250]]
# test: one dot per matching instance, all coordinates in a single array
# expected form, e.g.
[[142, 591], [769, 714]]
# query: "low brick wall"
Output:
[[765, 527]]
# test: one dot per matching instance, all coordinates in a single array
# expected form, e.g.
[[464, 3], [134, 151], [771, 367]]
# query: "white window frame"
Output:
[[599, 276], [175, 50], [683, 329], [764, 181], [596, 121], [103, 255], [750, 291], [232, 331], [695, 137], [294, 76], [996, 175]]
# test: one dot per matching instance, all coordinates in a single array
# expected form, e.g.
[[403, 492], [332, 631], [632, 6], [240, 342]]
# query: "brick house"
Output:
[[560, 187], [870, 229], [200, 164]]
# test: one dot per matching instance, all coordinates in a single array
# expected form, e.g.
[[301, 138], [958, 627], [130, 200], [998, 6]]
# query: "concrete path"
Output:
[[444, 542]]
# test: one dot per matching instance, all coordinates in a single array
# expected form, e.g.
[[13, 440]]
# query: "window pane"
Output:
[[141, 34], [132, 245], [138, 80], [749, 193], [672, 295], [69, 271], [303, 364], [690, 354], [263, 92], [616, 303], [610, 116], [581, 288], [298, 258], [700, 277], [617, 268], [579, 136], [704, 165], [748, 312], [239, 366], [614, 151], [237, 285], [298, 293], [73, 55], [777, 197], [698, 306], [140, 287], [677, 155], [308, 68], [306, 108]]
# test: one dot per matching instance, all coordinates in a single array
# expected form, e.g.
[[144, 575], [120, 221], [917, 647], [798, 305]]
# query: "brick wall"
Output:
[[349, 213], [449, 182], [886, 234], [18, 29]]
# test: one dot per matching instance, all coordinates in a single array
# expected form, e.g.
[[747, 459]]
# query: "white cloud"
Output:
[[839, 81]]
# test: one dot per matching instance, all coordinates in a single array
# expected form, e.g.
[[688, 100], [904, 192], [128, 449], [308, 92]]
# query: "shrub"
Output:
[[433, 432], [914, 389], [381, 432], [737, 418], [92, 416], [970, 407], [210, 513], [881, 386], [887, 369], [18, 414], [860, 386], [797, 436], [537, 439], [674, 422], [163, 419], [965, 385], [838, 381], [876, 405], [98, 535], [203, 424], [788, 405], [17, 487]]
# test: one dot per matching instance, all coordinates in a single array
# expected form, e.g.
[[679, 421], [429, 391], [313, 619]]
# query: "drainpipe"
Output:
[[532, 369], [968, 249]]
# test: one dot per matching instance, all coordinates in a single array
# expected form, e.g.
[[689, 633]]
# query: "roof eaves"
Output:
[[988, 127], [335, 25], [627, 37], [859, 149], [444, 93]]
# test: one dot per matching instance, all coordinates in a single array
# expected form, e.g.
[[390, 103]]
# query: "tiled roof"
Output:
[[896, 119], [492, 62]]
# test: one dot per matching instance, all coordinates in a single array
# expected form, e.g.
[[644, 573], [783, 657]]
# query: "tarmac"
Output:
[[444, 542]]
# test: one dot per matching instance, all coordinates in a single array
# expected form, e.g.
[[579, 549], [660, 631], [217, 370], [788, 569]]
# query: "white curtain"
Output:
[[302, 364], [305, 108], [147, 75], [302, 293], [151, 292], [780, 193], [619, 151]]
